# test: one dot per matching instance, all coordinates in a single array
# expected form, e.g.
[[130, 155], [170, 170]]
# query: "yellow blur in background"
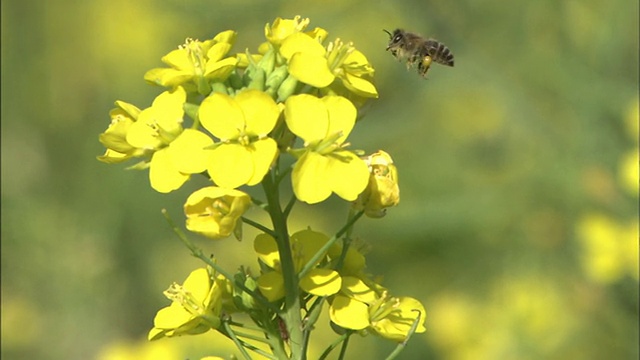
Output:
[[518, 171]]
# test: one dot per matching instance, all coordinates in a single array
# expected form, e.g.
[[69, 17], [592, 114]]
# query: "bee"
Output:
[[415, 49]]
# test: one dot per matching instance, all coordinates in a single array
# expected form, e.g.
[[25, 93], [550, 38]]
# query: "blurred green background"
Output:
[[518, 168]]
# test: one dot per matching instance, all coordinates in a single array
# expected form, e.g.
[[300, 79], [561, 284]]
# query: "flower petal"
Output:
[[342, 115], [301, 42], [271, 285], [349, 313], [310, 69], [198, 283], [307, 117], [188, 151], [263, 152], [231, 165], [359, 86], [347, 174], [260, 111], [222, 116], [310, 178], [321, 282], [163, 174], [267, 249]]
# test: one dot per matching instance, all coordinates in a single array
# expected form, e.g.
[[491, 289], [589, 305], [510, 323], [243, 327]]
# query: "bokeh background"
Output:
[[518, 224]]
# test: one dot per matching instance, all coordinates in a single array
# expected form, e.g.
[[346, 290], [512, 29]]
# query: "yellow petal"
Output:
[[355, 288], [263, 152], [231, 165], [271, 285], [311, 69], [321, 282], [172, 317], [349, 313], [220, 70], [222, 116], [218, 51], [359, 86], [301, 42], [188, 153], [179, 59], [267, 249], [307, 117], [141, 135], [198, 283], [168, 109], [342, 115], [167, 77], [347, 175], [309, 178], [164, 176], [260, 111]]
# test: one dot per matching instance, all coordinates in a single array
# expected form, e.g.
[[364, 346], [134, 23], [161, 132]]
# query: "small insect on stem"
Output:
[[415, 49], [282, 327]]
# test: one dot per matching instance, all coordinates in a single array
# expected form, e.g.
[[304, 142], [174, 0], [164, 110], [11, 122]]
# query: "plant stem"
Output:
[[314, 260], [291, 314], [197, 252]]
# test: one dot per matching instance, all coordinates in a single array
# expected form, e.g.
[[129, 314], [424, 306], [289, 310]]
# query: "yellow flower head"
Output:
[[195, 306], [195, 62], [304, 245], [242, 124], [282, 28], [324, 166], [214, 212], [359, 306], [312, 64], [115, 137], [382, 190]]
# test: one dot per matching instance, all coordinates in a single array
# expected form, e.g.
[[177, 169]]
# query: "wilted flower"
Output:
[[382, 191]]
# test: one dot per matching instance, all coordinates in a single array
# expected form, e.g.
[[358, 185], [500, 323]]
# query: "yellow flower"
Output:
[[382, 190], [304, 245], [282, 28], [195, 306], [177, 153], [312, 64], [358, 307], [324, 166], [195, 62], [214, 212], [629, 171], [609, 249], [242, 124], [115, 137]]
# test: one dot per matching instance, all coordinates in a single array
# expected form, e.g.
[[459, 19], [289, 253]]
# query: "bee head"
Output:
[[394, 38]]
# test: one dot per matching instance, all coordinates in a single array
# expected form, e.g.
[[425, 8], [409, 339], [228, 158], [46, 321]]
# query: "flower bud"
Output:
[[382, 190]]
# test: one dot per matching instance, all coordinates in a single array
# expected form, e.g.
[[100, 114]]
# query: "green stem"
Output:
[[258, 226], [343, 349], [314, 260], [241, 345], [197, 252], [333, 345], [291, 313]]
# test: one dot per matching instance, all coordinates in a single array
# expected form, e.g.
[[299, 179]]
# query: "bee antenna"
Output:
[[390, 35]]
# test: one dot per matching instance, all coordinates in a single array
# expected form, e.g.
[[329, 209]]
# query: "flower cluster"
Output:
[[234, 118]]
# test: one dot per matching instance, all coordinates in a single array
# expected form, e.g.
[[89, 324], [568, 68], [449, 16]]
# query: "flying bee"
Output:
[[415, 49]]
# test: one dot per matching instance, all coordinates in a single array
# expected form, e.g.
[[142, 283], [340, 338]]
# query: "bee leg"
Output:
[[424, 65]]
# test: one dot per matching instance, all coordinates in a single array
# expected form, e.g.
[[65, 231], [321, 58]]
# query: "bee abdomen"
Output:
[[439, 52]]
